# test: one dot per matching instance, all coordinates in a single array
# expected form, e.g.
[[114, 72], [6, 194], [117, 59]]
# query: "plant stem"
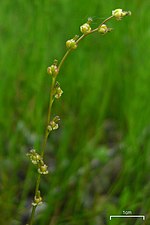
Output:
[[43, 147], [105, 21], [48, 115], [63, 59], [32, 215], [50, 109]]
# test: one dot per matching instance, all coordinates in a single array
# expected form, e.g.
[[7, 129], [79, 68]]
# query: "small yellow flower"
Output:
[[37, 200], [119, 13], [85, 28], [43, 169], [71, 44], [103, 29], [58, 93], [34, 157], [53, 125], [52, 70]]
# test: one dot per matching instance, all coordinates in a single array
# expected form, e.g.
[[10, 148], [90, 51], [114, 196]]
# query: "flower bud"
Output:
[[59, 92], [85, 28], [52, 70], [103, 29], [71, 44], [37, 199], [34, 157], [43, 169], [119, 13], [54, 125]]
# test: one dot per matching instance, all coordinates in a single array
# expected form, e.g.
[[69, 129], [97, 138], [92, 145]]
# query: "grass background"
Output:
[[99, 158]]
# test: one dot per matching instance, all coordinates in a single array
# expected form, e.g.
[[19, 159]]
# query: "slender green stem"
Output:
[[63, 59], [37, 184], [48, 116], [43, 147], [50, 109], [105, 21], [32, 215], [36, 191]]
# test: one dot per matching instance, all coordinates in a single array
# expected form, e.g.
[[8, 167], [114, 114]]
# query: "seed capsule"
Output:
[[103, 29], [52, 70], [71, 44], [119, 13], [85, 28]]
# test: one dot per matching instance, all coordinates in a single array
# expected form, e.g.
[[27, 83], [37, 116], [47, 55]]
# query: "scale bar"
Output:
[[127, 216]]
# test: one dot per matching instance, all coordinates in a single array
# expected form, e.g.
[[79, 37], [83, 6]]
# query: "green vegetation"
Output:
[[99, 158]]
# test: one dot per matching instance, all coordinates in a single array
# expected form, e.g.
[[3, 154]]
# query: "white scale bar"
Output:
[[127, 216]]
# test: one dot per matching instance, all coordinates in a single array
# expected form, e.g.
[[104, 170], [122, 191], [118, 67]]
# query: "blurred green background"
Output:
[[100, 157]]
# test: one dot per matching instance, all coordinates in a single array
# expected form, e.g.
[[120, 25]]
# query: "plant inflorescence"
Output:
[[55, 93]]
